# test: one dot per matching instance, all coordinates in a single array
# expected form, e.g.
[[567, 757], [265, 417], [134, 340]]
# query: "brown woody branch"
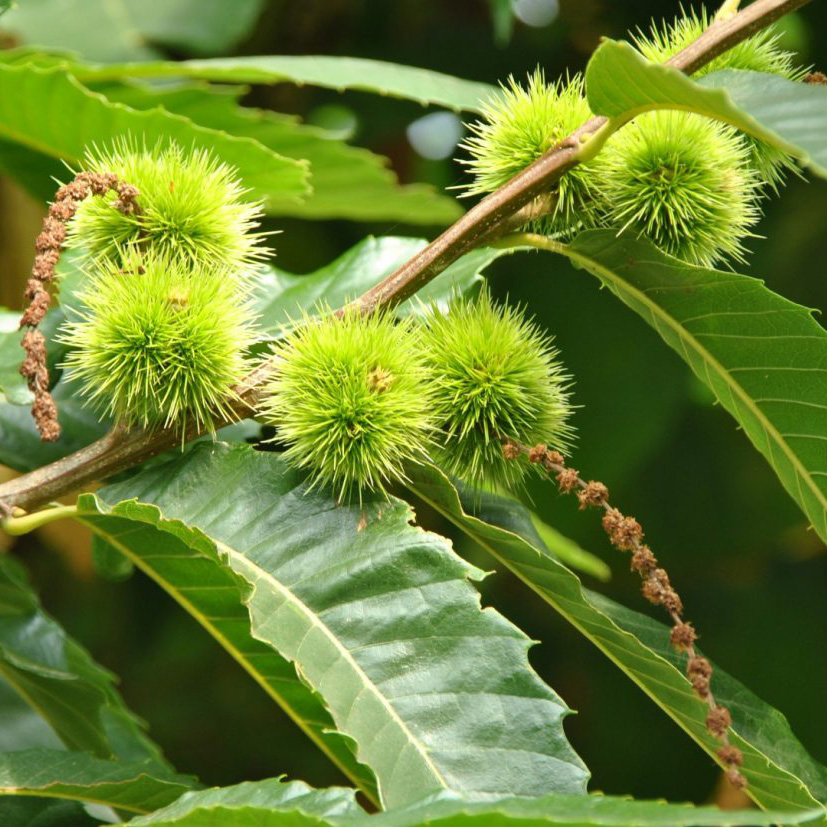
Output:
[[122, 449]]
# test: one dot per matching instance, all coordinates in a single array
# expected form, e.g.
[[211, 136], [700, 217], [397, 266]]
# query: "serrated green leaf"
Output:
[[332, 72], [780, 772], [130, 29], [83, 777], [61, 681], [273, 803], [378, 616], [49, 111], [346, 181], [621, 83], [763, 356], [259, 803], [284, 297]]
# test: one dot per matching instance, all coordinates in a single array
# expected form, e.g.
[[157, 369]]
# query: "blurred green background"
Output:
[[753, 577]]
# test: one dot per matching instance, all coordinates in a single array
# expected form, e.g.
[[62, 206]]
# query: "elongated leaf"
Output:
[[379, 617], [49, 111], [128, 29], [284, 296], [621, 83], [763, 356], [421, 85], [346, 181], [780, 772], [59, 678], [82, 777], [267, 803]]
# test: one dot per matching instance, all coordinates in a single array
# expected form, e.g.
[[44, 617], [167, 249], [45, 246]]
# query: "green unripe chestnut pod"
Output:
[[682, 181], [519, 125], [155, 344], [192, 209], [349, 398], [495, 376]]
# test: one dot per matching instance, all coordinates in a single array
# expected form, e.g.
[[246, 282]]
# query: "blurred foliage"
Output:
[[751, 573]]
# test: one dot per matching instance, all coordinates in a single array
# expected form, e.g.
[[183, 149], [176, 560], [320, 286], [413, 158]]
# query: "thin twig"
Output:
[[121, 450]]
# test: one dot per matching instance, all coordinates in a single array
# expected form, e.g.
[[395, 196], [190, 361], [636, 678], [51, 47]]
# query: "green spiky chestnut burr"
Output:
[[495, 376], [155, 344], [760, 53], [192, 209], [682, 181], [519, 125], [348, 398]]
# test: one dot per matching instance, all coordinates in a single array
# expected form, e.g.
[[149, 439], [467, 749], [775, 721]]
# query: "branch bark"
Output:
[[122, 448]]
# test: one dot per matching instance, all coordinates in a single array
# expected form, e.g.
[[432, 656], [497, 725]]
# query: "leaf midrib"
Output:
[[224, 641], [295, 601]]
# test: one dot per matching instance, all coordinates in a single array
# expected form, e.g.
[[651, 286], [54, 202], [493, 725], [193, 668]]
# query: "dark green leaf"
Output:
[[20, 725], [20, 811], [82, 777], [49, 111], [621, 84], [20, 445], [764, 357], [780, 772], [59, 678], [379, 617]]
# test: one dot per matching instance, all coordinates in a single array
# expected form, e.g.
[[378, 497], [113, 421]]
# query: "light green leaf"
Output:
[[781, 774], [60, 680], [763, 356], [347, 182], [283, 297], [378, 616], [621, 84], [49, 111], [82, 777], [273, 803], [257, 804], [125, 29], [409, 82]]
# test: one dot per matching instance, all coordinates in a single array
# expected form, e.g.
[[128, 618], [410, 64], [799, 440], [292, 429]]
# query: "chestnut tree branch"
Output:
[[124, 448]]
